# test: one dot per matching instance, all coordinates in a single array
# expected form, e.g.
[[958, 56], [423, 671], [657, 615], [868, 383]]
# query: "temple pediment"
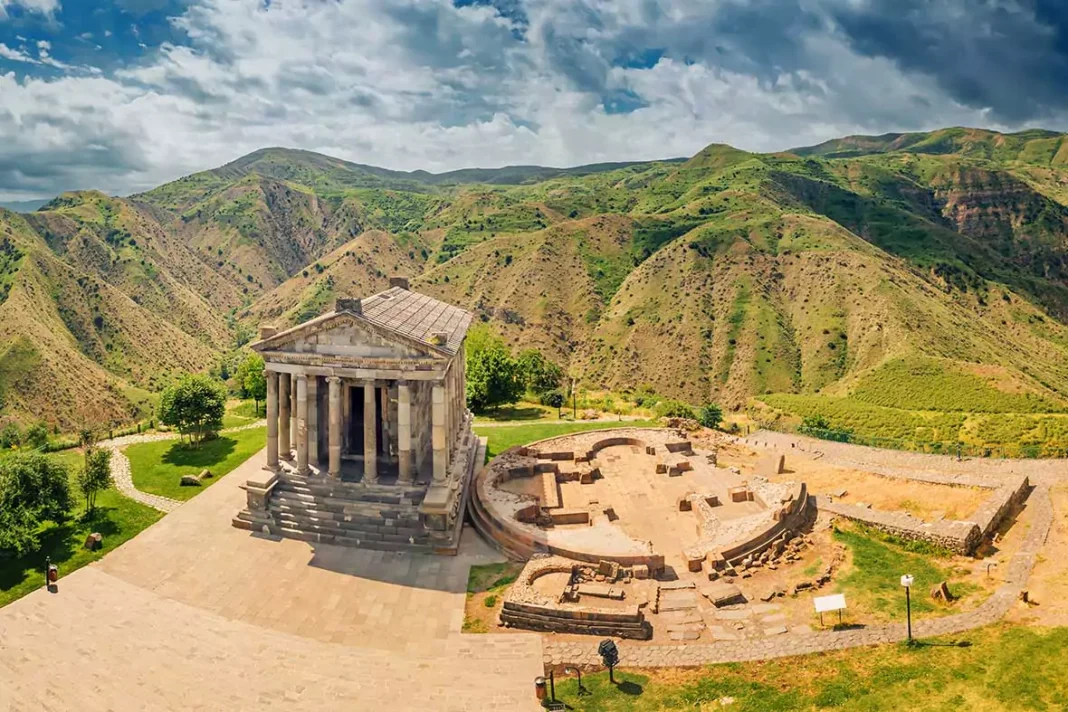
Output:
[[349, 336]]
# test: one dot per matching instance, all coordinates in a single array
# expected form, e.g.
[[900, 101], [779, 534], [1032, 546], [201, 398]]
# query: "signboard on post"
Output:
[[826, 604]]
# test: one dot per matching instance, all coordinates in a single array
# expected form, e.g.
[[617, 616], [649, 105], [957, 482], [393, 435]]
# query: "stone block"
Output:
[[771, 465], [640, 571], [190, 481], [661, 468], [721, 594], [684, 504], [94, 541]]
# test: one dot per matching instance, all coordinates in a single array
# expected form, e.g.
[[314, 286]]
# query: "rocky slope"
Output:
[[722, 277]]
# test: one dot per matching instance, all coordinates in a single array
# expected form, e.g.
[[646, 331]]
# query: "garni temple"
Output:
[[369, 439]]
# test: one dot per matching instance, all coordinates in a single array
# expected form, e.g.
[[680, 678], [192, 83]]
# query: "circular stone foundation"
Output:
[[636, 496]]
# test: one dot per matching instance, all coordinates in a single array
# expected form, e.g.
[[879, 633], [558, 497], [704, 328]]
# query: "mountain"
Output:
[[923, 272]]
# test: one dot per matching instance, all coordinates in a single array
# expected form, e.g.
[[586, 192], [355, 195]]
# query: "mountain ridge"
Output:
[[726, 276]]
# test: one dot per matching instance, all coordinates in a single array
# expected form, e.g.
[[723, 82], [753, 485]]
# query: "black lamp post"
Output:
[[906, 581], [609, 656], [578, 671]]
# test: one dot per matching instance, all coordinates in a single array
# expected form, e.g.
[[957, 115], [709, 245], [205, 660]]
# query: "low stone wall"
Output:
[[961, 537], [525, 608]]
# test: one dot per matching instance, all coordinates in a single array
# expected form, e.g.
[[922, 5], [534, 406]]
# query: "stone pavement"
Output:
[[193, 614], [993, 609], [120, 465]]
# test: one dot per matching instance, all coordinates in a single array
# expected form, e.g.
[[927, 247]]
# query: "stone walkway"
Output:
[[990, 611], [120, 465], [193, 614]]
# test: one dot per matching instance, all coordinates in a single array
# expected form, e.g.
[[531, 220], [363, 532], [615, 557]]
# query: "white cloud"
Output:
[[412, 84], [44, 7]]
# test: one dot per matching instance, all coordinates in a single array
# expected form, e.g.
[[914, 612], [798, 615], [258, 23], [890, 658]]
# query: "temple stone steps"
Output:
[[319, 537], [327, 527], [345, 508], [350, 491]]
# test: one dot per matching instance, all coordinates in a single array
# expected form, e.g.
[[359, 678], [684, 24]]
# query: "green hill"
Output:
[[907, 274]]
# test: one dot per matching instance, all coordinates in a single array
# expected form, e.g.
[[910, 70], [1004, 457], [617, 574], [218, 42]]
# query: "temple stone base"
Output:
[[319, 509]]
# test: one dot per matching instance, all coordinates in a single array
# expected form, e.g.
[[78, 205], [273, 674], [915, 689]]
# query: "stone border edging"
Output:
[[120, 465], [990, 611]]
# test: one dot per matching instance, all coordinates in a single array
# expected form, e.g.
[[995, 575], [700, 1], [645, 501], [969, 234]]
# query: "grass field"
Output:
[[157, 467], [505, 436], [987, 670], [872, 584], [117, 518]]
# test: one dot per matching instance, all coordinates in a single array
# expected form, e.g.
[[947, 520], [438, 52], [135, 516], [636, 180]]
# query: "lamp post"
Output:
[[906, 581], [609, 656]]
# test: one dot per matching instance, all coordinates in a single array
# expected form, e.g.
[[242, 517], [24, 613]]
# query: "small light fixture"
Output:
[[906, 581]]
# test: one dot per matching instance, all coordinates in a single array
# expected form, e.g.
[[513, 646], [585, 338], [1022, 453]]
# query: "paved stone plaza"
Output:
[[196, 615]]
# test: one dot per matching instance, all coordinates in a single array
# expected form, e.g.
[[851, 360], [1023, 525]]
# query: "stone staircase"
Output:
[[317, 510]]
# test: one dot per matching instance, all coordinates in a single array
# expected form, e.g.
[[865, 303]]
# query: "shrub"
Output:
[[95, 476], [539, 374], [674, 409], [711, 415], [10, 436], [36, 436], [490, 601]]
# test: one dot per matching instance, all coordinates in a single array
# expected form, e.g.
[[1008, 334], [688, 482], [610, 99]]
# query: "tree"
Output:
[[194, 405], [95, 476], [36, 436], [252, 380], [10, 436], [86, 440], [711, 416], [493, 377], [539, 374], [33, 489]]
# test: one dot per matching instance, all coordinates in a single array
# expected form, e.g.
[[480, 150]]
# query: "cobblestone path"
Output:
[[120, 465], [991, 610]]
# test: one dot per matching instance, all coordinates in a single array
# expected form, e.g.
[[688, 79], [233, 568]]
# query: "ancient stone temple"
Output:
[[369, 440]]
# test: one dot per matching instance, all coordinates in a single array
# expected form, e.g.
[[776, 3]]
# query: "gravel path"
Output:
[[120, 465]]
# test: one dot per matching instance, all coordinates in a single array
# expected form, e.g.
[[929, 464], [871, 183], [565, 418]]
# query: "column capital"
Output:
[[333, 379]]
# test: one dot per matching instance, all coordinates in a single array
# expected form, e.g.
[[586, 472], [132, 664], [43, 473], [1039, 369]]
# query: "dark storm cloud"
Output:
[[1010, 57]]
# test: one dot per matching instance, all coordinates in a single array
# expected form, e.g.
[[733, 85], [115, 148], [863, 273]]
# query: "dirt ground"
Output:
[[1048, 588], [925, 501]]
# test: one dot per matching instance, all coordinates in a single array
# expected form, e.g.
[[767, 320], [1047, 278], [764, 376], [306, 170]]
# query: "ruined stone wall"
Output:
[[962, 537]]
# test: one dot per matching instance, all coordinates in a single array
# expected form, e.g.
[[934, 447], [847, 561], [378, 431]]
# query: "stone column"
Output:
[[346, 417], [438, 434], [313, 420], [302, 424], [272, 420], [404, 432], [370, 441], [284, 384], [293, 410], [334, 447], [383, 414]]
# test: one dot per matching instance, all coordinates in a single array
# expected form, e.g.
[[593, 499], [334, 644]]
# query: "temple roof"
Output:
[[410, 314], [418, 317]]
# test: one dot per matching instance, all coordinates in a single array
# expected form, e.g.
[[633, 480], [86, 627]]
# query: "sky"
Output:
[[123, 95]]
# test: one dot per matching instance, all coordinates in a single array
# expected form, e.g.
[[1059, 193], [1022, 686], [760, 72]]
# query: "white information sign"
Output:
[[826, 604]]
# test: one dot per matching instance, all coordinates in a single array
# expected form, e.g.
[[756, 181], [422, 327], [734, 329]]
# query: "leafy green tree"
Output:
[[33, 489], [814, 422], [36, 436], [711, 415], [95, 477], [195, 405], [10, 436], [86, 441], [539, 374], [493, 376], [252, 380]]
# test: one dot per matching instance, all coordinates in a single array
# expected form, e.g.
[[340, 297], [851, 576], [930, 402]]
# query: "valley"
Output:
[[911, 287]]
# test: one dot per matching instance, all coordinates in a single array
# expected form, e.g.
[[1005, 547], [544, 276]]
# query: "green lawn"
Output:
[[873, 584], [158, 467], [116, 517], [505, 436], [996, 669]]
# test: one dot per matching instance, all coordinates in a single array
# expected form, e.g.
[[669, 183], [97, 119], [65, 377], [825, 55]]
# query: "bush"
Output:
[[36, 436], [674, 409], [33, 489], [539, 374], [10, 436], [711, 415]]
